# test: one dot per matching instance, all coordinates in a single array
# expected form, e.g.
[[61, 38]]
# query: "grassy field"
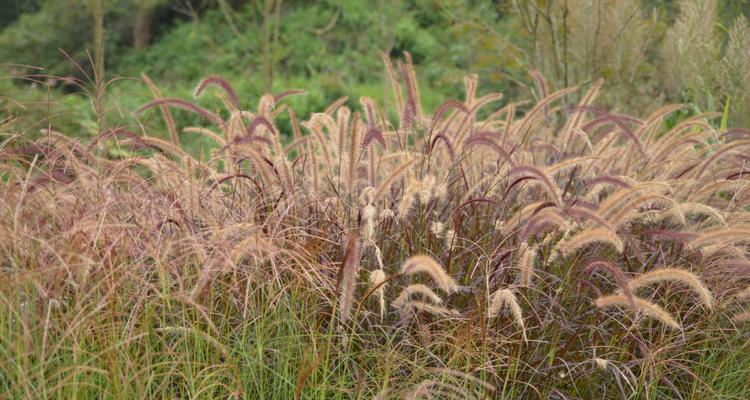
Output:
[[542, 251], [405, 241]]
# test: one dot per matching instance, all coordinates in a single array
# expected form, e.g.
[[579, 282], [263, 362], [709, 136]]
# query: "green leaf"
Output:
[[725, 115]]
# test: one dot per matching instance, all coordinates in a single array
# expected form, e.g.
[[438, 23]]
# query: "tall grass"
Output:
[[511, 252]]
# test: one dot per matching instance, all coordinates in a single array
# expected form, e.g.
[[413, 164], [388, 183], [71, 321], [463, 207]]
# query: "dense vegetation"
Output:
[[270, 204], [650, 52]]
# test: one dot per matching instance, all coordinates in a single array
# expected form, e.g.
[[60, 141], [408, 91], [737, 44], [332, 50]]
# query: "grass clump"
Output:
[[489, 234]]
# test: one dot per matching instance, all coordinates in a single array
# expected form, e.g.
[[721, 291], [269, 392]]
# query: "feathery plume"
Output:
[[574, 122], [393, 78], [744, 293], [587, 236], [741, 316], [168, 119], [564, 165], [518, 217], [470, 83], [674, 274], [544, 219], [262, 164], [727, 236], [443, 108], [585, 214], [425, 189], [220, 82], [541, 87], [355, 149], [287, 93], [373, 132], [437, 228], [407, 200], [601, 363], [349, 274], [541, 176], [628, 211], [450, 238], [526, 264], [613, 180], [533, 115], [342, 122], [377, 279], [508, 124], [322, 142], [411, 111], [387, 213], [412, 307], [405, 296], [486, 139], [185, 105], [615, 199], [502, 299], [266, 105], [369, 213], [648, 308], [207, 133], [425, 263], [448, 145], [421, 390]]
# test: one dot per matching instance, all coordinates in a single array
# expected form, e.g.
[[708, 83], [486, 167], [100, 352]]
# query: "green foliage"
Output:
[[37, 38], [13, 9], [649, 52]]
